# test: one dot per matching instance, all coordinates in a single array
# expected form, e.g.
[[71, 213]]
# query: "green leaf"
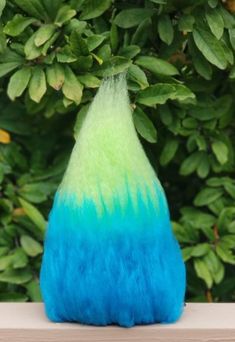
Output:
[[3, 41], [201, 65], [64, 14], [165, 29], [232, 73], [201, 142], [212, 3], [2, 6], [132, 17], [65, 55], [210, 47], [34, 214], [228, 241], [5, 262], [157, 66], [144, 125], [182, 93], [161, 92], [43, 34], [225, 254], [11, 56], [142, 32], [17, 25], [37, 84], [114, 38], [72, 88], [15, 276], [215, 266], [32, 7], [113, 66], [200, 249], [197, 218], [78, 45], [203, 272], [221, 151], [55, 76], [94, 8], [49, 59], [18, 83], [189, 123], [84, 63], [230, 189], [33, 290], [186, 23], [129, 51], [30, 246], [217, 206], [184, 233], [215, 22], [225, 217], [203, 166], [227, 52], [3, 251], [7, 67], [30, 49], [229, 20], [203, 113], [97, 58], [207, 196], [89, 80], [20, 259], [169, 151], [94, 41], [137, 75], [52, 7], [156, 94], [186, 252], [36, 192], [232, 37], [190, 164]]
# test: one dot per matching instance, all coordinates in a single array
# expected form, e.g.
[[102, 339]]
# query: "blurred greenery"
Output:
[[179, 58]]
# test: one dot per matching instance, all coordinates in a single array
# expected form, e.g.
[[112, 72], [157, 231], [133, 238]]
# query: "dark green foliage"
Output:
[[179, 59]]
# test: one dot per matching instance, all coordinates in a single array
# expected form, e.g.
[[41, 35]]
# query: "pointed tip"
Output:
[[114, 87], [114, 81]]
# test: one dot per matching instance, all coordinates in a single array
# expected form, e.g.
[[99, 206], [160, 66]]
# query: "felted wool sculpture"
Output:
[[110, 255]]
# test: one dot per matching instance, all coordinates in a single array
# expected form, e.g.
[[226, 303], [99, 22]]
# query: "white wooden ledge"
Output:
[[200, 322]]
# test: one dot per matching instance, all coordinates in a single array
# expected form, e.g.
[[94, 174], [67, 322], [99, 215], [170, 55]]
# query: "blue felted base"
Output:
[[123, 267]]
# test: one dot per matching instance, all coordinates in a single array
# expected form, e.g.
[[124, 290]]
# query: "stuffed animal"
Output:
[[110, 256]]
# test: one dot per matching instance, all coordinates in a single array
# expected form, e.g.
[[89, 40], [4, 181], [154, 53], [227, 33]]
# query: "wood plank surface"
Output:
[[200, 322]]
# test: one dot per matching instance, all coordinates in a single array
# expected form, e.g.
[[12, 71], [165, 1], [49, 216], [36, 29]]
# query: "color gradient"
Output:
[[110, 256]]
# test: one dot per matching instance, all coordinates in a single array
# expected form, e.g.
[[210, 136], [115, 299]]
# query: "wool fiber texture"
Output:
[[110, 256]]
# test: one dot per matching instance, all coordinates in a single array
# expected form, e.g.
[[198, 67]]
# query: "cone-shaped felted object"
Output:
[[110, 255]]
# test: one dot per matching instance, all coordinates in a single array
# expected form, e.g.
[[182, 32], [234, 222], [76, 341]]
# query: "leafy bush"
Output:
[[179, 58]]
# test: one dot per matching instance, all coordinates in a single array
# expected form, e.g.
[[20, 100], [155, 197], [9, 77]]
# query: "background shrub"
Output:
[[179, 58]]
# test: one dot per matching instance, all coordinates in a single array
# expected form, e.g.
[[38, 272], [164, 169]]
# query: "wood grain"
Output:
[[200, 322]]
